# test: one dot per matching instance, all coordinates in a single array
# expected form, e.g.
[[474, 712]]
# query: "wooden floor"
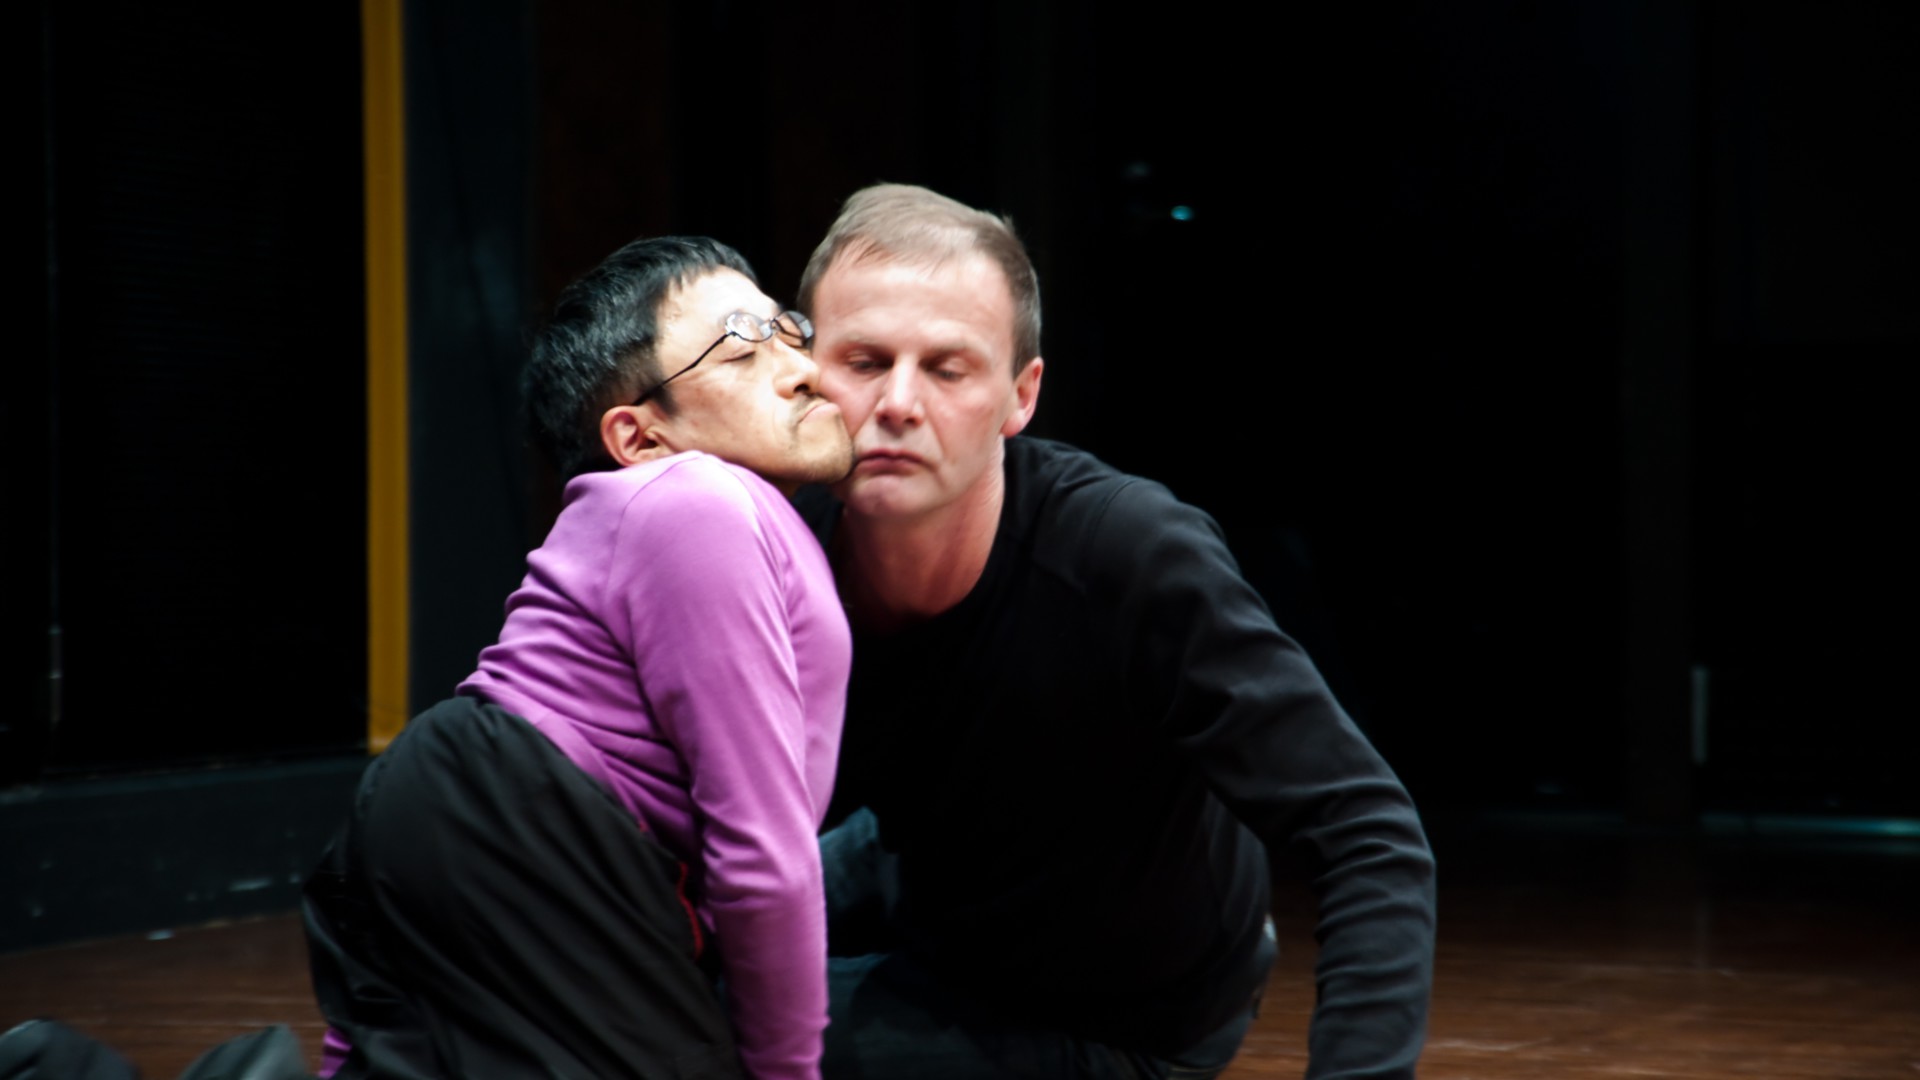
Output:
[[1580, 954]]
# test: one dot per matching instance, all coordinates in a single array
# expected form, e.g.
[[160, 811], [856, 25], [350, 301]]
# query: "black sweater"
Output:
[[1065, 761]]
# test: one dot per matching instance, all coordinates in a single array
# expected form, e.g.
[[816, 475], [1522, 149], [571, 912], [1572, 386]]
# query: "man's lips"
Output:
[[884, 456], [815, 409]]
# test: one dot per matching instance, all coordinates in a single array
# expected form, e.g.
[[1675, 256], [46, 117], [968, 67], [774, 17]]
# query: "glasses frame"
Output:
[[751, 329]]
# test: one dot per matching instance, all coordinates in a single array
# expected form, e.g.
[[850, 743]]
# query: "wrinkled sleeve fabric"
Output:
[[1247, 706], [704, 604]]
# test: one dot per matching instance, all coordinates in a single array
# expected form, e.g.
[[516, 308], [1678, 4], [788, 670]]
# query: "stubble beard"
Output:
[[821, 465]]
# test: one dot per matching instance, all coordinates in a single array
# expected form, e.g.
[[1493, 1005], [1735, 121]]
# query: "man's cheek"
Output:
[[854, 407], [833, 387]]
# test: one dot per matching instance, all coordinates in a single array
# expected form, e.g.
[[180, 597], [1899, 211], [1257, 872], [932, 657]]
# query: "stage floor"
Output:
[[1567, 950]]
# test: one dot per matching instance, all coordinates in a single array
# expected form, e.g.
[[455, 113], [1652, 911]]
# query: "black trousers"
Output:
[[489, 911]]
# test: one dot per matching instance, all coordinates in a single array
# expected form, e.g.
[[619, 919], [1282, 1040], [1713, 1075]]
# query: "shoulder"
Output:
[[1047, 464], [691, 482], [693, 503], [1066, 501]]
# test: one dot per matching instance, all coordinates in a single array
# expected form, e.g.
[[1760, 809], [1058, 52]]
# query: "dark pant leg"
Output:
[[491, 911], [861, 886], [50, 1050], [270, 1053], [892, 1017], [350, 970], [888, 1017]]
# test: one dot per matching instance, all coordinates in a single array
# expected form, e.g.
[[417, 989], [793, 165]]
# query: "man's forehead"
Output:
[[928, 265], [963, 298], [712, 296]]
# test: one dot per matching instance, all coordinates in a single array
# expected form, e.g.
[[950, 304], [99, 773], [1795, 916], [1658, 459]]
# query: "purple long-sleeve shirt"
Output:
[[678, 637]]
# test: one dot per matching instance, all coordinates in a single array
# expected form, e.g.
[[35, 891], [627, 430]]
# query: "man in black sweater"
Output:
[[1074, 736]]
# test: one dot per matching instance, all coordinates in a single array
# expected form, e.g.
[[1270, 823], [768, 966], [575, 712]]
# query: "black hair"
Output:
[[597, 349]]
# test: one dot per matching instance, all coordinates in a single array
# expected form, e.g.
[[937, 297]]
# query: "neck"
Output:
[[895, 572]]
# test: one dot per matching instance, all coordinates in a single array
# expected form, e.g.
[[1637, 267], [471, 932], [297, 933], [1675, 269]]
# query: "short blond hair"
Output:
[[912, 224]]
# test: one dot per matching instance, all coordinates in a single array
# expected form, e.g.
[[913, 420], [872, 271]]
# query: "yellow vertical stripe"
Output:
[[383, 101]]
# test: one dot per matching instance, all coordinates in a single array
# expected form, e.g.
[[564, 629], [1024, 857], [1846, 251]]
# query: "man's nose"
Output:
[[799, 372], [900, 394]]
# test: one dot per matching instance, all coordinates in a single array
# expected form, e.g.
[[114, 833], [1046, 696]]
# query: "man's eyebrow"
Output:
[[937, 351], [964, 349]]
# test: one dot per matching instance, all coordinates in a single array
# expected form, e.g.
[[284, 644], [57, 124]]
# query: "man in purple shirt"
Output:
[[598, 858]]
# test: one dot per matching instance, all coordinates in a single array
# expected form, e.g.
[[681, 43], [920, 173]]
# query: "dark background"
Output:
[[1538, 359]]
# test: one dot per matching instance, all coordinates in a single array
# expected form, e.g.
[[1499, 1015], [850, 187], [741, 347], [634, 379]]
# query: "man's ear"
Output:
[[1026, 396], [631, 434]]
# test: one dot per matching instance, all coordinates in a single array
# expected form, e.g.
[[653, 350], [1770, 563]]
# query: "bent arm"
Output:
[[716, 662], [1246, 705]]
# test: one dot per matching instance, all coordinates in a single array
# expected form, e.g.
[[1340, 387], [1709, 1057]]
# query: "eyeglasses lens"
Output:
[[796, 328], [793, 328]]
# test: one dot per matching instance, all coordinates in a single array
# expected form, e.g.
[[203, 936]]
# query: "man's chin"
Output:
[[831, 479], [884, 496], [831, 470]]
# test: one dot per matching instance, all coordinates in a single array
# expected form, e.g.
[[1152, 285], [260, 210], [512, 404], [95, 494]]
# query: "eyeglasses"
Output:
[[792, 327]]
